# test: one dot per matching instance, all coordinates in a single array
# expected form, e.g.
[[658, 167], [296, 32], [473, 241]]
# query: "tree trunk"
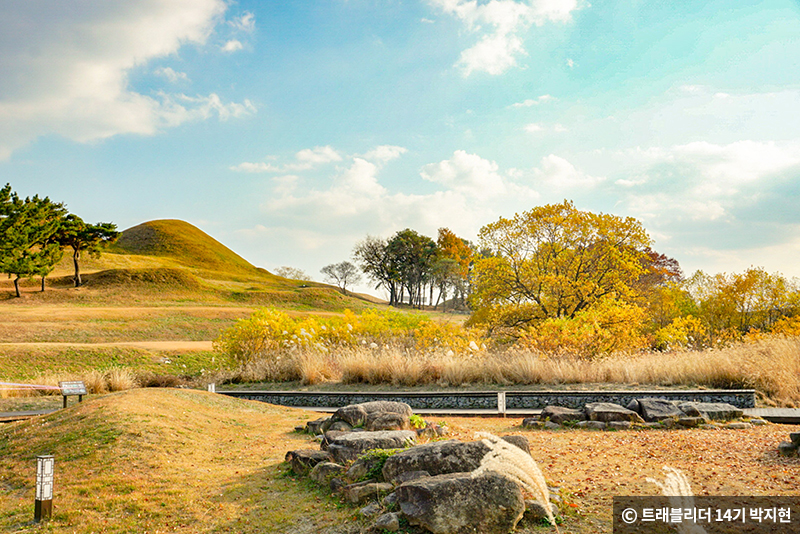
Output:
[[16, 286], [76, 255], [42, 284]]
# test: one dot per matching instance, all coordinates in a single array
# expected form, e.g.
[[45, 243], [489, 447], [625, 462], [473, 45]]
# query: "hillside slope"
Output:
[[182, 242], [162, 460], [171, 261]]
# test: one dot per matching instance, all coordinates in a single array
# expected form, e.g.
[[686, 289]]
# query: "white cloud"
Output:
[[494, 54], [468, 174], [171, 75], [181, 108], [245, 23], [385, 153], [256, 167], [560, 174], [500, 45], [706, 181], [533, 101], [536, 128], [64, 67], [232, 46], [317, 156], [306, 159], [354, 202]]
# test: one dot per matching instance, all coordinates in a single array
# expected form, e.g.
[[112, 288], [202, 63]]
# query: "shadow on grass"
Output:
[[274, 500]]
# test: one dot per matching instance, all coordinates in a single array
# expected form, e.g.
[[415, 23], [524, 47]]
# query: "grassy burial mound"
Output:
[[183, 243], [162, 460], [172, 261]]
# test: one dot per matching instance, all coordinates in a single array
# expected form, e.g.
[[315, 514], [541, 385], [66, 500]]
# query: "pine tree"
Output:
[[82, 237], [27, 227]]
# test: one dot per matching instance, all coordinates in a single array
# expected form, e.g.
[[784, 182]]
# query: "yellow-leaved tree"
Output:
[[555, 263]]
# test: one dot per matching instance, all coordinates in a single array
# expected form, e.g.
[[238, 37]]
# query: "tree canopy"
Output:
[[555, 261], [27, 230], [342, 274], [34, 230], [82, 237], [409, 264]]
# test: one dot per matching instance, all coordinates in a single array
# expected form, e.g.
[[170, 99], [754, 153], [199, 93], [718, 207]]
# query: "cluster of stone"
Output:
[[429, 485], [643, 413], [791, 447]]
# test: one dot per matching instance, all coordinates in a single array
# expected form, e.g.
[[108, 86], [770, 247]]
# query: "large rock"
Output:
[[437, 458], [365, 491], [518, 441], [560, 415], [323, 472], [658, 410], [303, 460], [387, 421], [716, 411], [459, 503], [442, 457], [348, 447], [389, 521], [329, 436], [607, 411], [352, 414], [316, 426], [356, 414]]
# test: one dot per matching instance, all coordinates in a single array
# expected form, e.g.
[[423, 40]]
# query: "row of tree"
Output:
[[34, 232], [412, 267], [556, 272]]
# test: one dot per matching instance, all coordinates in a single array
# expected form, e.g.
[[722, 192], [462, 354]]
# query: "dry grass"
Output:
[[167, 460], [771, 366], [163, 460], [96, 382]]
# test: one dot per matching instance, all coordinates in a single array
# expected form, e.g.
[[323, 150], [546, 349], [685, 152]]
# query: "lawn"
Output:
[[172, 460]]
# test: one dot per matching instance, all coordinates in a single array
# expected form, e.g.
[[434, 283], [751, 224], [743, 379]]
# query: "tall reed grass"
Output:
[[771, 366], [96, 382]]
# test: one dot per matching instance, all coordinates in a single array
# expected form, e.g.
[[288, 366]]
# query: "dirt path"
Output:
[[57, 312], [184, 346]]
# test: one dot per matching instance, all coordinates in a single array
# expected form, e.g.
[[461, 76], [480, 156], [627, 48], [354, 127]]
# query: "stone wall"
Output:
[[488, 400]]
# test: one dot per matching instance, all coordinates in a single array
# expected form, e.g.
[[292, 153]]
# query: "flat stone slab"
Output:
[[560, 414], [716, 411], [462, 503], [348, 447], [607, 412], [658, 409]]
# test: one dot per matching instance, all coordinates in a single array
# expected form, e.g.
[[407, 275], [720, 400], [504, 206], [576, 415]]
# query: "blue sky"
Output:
[[291, 130]]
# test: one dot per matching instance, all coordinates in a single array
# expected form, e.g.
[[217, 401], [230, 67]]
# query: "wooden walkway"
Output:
[[786, 416], [10, 417]]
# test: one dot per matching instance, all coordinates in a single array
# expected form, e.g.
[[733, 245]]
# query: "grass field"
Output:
[[182, 460], [169, 460], [145, 304]]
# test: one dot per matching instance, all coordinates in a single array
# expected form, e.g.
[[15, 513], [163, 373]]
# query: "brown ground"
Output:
[[594, 466], [231, 457], [181, 346]]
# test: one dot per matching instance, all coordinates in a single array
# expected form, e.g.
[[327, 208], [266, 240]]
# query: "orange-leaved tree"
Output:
[[554, 262]]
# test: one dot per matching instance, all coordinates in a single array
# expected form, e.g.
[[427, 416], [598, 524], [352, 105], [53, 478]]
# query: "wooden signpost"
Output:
[[70, 389]]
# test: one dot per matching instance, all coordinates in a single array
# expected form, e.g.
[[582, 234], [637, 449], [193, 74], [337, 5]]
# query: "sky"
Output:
[[292, 130]]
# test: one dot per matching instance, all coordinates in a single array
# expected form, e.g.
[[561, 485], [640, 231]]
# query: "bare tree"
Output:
[[293, 273], [342, 274]]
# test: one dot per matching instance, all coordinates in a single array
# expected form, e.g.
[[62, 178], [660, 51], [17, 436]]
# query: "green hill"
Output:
[[172, 261], [184, 243]]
